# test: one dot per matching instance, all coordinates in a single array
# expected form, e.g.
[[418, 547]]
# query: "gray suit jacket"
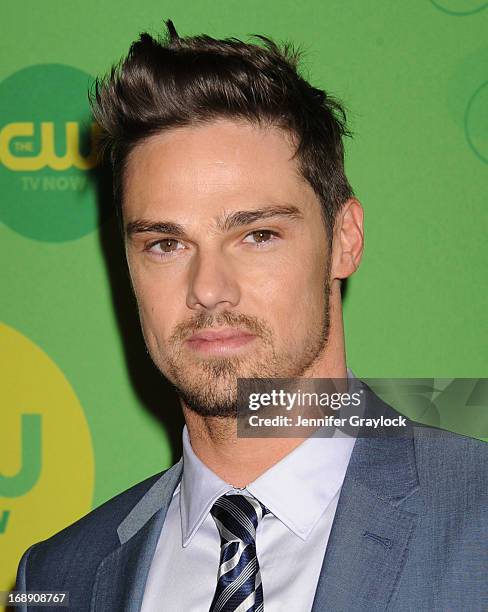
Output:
[[410, 533]]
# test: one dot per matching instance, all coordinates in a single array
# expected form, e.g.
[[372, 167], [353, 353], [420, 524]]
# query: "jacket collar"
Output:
[[121, 576]]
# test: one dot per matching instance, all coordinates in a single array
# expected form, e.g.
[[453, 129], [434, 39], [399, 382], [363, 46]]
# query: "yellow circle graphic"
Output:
[[46, 454]]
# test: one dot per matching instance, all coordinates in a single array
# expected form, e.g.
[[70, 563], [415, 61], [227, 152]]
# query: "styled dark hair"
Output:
[[182, 81]]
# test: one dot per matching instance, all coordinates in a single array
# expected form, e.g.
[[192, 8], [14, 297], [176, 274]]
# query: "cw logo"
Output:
[[28, 475], [48, 154], [31, 464], [46, 454], [4, 520], [47, 157]]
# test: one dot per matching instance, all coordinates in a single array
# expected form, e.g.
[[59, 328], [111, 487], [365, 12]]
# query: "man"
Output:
[[239, 226]]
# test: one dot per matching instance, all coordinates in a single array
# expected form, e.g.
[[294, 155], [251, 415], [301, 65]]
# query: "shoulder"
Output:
[[106, 517], [437, 451], [452, 472], [88, 539], [452, 457], [448, 447], [450, 468]]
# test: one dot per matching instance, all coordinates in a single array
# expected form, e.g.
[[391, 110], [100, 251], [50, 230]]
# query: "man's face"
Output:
[[228, 256]]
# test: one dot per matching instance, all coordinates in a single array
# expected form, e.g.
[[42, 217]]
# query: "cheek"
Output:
[[292, 294], [157, 306]]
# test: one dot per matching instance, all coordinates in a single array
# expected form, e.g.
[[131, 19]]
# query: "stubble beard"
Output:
[[208, 386]]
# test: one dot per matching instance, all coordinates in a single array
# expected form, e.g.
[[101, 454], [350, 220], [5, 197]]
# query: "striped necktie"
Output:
[[239, 587]]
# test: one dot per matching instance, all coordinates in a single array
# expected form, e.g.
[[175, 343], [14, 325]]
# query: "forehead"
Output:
[[205, 169]]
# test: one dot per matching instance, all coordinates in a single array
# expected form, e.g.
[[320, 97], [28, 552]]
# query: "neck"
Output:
[[239, 461]]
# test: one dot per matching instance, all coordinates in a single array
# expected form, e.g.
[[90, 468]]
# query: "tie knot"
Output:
[[237, 517]]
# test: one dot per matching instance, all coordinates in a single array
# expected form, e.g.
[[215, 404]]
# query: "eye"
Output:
[[164, 248], [261, 237]]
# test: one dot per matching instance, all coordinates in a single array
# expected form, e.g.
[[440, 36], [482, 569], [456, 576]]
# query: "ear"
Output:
[[348, 242]]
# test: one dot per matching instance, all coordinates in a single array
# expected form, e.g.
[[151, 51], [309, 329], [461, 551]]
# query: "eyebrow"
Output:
[[224, 223]]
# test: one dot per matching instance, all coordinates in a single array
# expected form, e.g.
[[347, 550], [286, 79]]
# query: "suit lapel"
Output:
[[121, 576], [368, 543]]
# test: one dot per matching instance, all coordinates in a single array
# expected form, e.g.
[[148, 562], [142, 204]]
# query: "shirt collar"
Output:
[[297, 489]]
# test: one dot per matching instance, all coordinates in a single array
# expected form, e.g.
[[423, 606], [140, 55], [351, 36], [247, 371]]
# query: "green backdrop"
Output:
[[84, 413]]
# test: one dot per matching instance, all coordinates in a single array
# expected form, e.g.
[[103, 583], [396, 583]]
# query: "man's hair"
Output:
[[184, 81]]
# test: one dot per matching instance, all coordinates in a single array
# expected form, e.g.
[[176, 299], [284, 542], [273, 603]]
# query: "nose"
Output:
[[212, 284]]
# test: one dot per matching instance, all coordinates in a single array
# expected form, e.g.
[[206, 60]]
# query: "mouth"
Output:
[[219, 342]]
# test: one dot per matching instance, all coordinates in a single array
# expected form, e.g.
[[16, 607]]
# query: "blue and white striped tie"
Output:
[[239, 587]]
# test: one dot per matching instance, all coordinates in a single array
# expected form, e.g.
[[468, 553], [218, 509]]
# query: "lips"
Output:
[[220, 341], [224, 334]]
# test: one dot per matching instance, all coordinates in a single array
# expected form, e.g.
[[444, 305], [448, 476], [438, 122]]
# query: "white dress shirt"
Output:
[[301, 492]]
